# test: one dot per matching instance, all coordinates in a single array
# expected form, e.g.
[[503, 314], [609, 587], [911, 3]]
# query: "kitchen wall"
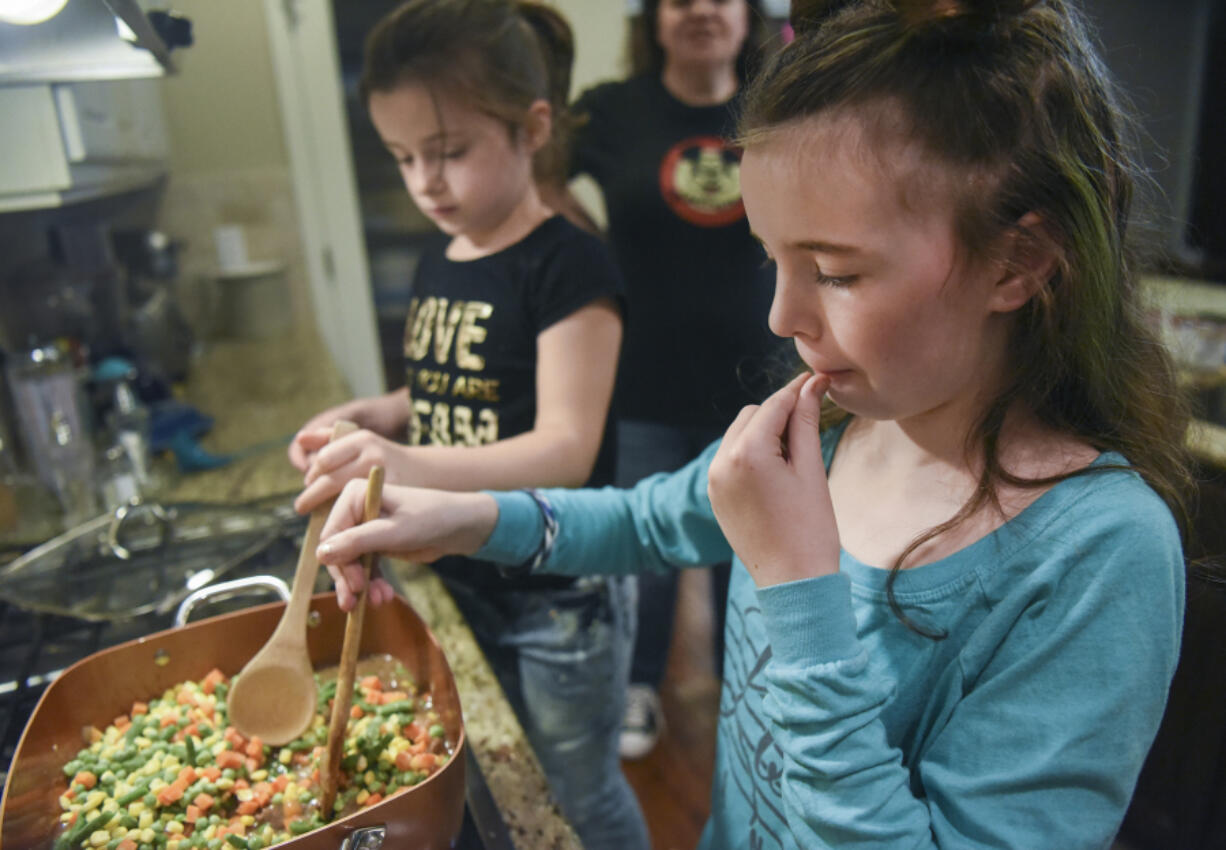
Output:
[[228, 161]]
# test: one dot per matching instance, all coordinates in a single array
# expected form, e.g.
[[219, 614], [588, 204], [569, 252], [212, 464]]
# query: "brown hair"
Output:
[[1015, 94], [499, 56], [647, 57]]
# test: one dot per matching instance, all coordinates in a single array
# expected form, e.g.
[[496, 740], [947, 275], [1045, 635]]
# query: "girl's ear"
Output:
[[1030, 258], [538, 126]]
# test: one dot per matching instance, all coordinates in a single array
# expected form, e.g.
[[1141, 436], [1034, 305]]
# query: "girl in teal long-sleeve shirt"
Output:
[[956, 598]]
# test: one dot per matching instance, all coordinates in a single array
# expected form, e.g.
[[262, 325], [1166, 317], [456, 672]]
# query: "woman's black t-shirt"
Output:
[[697, 347]]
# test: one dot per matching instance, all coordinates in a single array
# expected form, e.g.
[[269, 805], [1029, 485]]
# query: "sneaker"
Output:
[[642, 722]]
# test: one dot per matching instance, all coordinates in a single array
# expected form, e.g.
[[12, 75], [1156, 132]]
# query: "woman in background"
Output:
[[697, 345]]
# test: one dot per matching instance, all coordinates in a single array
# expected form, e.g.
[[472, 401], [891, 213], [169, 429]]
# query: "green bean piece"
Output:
[[298, 827], [393, 707], [136, 793], [237, 841], [189, 750]]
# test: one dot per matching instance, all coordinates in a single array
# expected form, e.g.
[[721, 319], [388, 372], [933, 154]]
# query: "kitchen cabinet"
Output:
[[77, 141]]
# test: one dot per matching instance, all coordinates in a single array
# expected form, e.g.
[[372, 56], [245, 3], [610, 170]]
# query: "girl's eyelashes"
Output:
[[832, 280]]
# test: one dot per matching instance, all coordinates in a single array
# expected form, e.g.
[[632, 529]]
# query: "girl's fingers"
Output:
[[380, 591], [317, 493], [348, 511], [803, 430], [333, 456], [379, 535], [770, 423]]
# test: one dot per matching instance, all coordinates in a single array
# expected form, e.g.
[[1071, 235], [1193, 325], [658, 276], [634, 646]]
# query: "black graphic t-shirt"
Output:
[[470, 346], [697, 345]]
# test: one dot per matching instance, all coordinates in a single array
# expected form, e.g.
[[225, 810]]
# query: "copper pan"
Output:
[[103, 686]]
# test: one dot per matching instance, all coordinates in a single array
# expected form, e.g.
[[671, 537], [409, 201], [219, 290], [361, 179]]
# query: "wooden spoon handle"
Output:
[[293, 619], [330, 769]]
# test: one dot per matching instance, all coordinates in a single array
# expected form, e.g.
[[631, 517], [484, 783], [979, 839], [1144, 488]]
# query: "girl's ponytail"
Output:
[[557, 48]]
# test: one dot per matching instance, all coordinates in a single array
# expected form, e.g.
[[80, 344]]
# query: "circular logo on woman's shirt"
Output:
[[700, 179]]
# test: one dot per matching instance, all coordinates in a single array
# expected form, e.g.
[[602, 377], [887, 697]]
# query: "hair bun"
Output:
[[809, 14], [974, 15]]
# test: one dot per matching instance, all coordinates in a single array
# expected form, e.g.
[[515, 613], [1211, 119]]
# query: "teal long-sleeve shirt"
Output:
[[1024, 727]]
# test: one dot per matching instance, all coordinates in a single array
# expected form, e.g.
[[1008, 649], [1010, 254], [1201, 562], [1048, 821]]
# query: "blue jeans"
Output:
[[562, 657], [643, 449]]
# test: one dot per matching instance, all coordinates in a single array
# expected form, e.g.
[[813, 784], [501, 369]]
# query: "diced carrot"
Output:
[[248, 808], [394, 696], [292, 808], [252, 764], [280, 782], [356, 712], [121, 722], [417, 747], [139, 708], [372, 683], [372, 799], [188, 774], [229, 758], [172, 793], [422, 761], [315, 775], [240, 784], [70, 794], [414, 731], [235, 737], [214, 678], [193, 814], [85, 778], [168, 720], [72, 818], [212, 773], [255, 746], [185, 697], [403, 760], [126, 844], [203, 801]]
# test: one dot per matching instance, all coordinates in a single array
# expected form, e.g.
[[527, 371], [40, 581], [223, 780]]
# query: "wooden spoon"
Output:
[[273, 697], [329, 771]]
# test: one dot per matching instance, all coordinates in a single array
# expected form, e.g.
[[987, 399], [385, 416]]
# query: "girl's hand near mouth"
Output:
[[768, 489]]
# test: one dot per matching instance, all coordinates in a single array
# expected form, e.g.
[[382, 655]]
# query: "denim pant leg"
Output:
[[643, 449], [563, 658]]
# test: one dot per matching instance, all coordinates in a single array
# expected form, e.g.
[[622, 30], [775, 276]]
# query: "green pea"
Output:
[[437, 730]]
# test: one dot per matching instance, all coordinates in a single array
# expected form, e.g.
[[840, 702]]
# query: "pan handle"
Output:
[[228, 590], [366, 838]]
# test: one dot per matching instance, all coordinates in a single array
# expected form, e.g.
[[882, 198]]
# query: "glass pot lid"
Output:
[[142, 559]]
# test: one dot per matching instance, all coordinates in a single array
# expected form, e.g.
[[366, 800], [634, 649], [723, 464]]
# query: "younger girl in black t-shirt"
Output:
[[511, 348]]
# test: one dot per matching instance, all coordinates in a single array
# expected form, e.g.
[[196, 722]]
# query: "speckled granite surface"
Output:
[[260, 392]]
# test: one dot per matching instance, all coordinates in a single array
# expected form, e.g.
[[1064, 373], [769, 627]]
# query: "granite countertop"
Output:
[[260, 391]]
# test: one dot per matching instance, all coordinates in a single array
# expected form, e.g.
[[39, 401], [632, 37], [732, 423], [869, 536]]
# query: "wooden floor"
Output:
[[673, 782]]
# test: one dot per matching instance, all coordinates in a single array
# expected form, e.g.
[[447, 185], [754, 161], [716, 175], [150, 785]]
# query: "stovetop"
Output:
[[36, 647]]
